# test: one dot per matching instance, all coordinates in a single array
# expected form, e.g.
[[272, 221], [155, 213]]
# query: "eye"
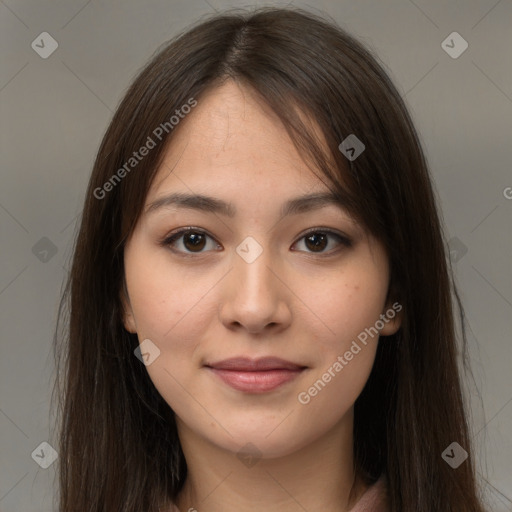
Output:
[[317, 239], [195, 240]]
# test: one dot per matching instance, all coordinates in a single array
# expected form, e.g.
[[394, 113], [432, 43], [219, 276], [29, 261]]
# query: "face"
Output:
[[206, 284]]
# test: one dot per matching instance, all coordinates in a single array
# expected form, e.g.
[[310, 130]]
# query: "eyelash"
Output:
[[172, 237]]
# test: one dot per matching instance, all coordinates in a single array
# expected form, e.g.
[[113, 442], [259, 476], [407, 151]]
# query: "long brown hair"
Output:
[[119, 448]]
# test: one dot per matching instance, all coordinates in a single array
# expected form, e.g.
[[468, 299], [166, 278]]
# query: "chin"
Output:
[[258, 443]]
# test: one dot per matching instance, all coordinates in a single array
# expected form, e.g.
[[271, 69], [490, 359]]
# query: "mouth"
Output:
[[255, 376]]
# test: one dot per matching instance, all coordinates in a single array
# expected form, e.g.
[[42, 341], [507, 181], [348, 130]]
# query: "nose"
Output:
[[255, 296]]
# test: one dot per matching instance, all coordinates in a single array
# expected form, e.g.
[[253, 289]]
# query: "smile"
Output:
[[255, 376]]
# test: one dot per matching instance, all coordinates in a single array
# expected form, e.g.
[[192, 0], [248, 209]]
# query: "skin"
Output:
[[291, 302]]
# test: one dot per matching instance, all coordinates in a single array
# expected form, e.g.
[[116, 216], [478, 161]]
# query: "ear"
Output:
[[392, 315], [128, 318], [392, 318]]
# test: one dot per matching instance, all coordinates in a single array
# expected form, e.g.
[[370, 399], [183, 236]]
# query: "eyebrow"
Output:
[[209, 204]]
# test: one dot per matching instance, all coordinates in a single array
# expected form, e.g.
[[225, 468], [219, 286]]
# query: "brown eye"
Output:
[[192, 241], [195, 241], [317, 240]]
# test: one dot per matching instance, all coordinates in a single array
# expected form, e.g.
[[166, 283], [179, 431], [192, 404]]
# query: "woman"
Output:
[[260, 309]]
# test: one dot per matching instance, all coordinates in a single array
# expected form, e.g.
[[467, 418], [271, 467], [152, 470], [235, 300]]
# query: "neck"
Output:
[[318, 476]]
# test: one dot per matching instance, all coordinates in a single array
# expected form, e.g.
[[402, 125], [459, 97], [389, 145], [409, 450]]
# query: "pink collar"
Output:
[[374, 499]]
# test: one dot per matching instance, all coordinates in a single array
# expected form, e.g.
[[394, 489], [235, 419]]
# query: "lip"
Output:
[[255, 375], [245, 364]]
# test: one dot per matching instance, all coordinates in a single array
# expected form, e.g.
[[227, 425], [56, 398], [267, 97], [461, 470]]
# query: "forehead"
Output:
[[232, 139]]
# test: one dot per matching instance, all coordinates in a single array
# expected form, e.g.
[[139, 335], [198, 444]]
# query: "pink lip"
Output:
[[255, 376]]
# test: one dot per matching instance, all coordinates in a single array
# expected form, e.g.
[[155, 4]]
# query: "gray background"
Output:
[[54, 112]]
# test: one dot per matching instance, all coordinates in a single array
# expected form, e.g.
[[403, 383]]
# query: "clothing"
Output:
[[373, 500]]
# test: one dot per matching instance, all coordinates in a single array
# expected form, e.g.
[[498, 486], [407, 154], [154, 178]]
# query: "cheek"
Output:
[[170, 309], [330, 393], [341, 308], [168, 301], [345, 339]]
